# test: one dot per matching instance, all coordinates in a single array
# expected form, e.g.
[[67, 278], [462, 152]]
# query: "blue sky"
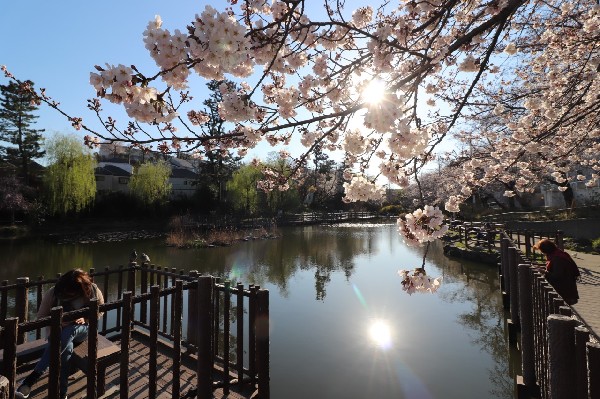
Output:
[[57, 44]]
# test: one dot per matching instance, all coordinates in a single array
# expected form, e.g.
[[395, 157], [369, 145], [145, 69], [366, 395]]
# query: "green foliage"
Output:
[[150, 183], [22, 142], [69, 180], [282, 200], [393, 210], [242, 188], [596, 244]]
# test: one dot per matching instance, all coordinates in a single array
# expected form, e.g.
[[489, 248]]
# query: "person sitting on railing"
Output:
[[72, 291], [561, 271]]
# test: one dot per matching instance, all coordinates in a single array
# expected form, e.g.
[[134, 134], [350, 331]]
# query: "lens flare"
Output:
[[360, 296]]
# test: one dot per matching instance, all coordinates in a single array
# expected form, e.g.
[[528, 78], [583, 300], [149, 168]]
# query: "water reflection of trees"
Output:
[[485, 320], [322, 249]]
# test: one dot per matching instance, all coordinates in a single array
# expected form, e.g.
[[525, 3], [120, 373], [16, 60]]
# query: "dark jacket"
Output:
[[562, 273]]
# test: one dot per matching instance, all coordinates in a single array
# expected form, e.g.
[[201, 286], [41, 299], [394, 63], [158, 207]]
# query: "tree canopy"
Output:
[[23, 142], [69, 179], [515, 80], [150, 182]]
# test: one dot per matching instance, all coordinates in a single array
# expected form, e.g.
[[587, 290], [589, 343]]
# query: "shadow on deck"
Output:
[[139, 359]]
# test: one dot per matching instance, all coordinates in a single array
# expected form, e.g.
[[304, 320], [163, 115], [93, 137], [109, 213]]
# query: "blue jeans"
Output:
[[70, 335]]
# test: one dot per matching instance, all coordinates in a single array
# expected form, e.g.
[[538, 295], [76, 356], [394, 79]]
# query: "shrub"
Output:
[[393, 210]]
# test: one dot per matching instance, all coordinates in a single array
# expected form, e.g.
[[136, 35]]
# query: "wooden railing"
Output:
[[167, 307], [560, 355]]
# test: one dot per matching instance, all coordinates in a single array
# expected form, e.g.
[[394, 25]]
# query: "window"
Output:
[[123, 180]]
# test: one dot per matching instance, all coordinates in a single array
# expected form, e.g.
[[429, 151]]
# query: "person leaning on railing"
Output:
[[72, 291], [561, 271]]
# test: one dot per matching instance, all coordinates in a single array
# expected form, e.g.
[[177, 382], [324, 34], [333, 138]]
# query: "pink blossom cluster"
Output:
[[422, 225], [418, 281], [361, 189]]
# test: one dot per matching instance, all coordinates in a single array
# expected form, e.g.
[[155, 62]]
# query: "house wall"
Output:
[[182, 187]]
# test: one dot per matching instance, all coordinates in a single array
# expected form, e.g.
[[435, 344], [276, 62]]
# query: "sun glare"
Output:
[[380, 334], [373, 91]]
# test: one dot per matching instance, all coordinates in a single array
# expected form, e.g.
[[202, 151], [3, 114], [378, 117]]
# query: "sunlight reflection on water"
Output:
[[380, 334]]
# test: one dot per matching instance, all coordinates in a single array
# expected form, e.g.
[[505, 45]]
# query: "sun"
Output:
[[373, 91]]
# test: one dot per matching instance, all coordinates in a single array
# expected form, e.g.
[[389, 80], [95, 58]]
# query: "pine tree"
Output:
[[19, 141]]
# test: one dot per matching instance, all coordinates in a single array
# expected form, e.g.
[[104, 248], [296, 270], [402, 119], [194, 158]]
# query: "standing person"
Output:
[[72, 291], [561, 271]]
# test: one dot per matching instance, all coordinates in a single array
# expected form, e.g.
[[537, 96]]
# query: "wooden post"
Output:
[[92, 370], [262, 344], [119, 294], [131, 277], [526, 319], [22, 304], [561, 352], [106, 297], [154, 325], [173, 281], [3, 303], [559, 239], [38, 302], [565, 311], [204, 333], [125, 344], [176, 330], [165, 302], [513, 287], [582, 336], [240, 334], [252, 333], [216, 320], [226, 329], [54, 342], [11, 330], [593, 360], [504, 244], [143, 290], [528, 239], [192, 316]]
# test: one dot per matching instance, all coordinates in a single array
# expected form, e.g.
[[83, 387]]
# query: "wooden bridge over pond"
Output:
[[163, 334]]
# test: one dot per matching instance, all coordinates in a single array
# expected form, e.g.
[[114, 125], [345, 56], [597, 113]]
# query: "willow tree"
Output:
[[242, 188], [150, 183], [69, 181]]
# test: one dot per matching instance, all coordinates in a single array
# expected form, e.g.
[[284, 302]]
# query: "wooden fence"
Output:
[[560, 355], [190, 314]]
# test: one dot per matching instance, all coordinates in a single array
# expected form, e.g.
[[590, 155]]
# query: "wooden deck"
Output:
[[139, 356]]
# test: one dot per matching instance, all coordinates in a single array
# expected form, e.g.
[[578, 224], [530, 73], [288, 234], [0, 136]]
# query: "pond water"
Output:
[[341, 326]]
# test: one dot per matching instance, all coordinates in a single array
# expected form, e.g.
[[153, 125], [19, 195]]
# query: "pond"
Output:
[[341, 326]]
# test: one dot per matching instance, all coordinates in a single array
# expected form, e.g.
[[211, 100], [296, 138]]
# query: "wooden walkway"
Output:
[[588, 307], [138, 381]]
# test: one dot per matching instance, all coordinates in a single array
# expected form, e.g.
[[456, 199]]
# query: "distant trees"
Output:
[[218, 162], [13, 198], [242, 188], [150, 183], [23, 142], [69, 180]]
